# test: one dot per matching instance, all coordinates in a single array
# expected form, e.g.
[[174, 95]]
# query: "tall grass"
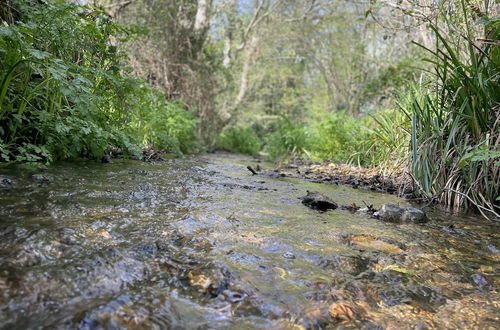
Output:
[[455, 133]]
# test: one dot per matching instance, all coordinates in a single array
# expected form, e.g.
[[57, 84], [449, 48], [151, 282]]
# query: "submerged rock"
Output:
[[5, 182], [396, 214], [318, 202], [372, 243], [40, 178], [481, 282]]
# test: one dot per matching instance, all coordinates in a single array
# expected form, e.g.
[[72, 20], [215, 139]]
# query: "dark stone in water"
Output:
[[5, 182], [318, 202], [352, 265], [396, 214], [40, 178], [107, 159], [481, 282], [493, 249]]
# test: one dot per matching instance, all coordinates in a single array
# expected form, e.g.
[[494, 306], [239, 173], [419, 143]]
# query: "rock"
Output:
[[396, 214], [40, 178], [352, 265], [413, 215], [318, 202], [5, 182], [68, 236], [233, 296], [390, 212], [288, 255], [481, 282], [342, 312], [493, 249], [200, 282], [372, 243], [107, 159]]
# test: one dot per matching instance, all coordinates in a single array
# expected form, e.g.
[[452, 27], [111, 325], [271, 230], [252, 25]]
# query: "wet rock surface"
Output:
[[202, 243], [5, 182], [397, 214], [318, 202]]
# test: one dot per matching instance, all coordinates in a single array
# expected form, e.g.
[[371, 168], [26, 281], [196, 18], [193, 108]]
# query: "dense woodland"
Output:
[[404, 86]]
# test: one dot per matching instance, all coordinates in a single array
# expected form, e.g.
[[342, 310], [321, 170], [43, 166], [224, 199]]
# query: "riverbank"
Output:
[[373, 179]]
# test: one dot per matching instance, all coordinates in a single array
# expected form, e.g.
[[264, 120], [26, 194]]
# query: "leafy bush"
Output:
[[340, 137], [161, 124], [288, 139], [240, 139], [64, 94]]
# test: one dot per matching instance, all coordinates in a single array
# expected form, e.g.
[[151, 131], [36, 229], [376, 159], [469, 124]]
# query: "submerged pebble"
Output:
[[5, 182], [481, 282]]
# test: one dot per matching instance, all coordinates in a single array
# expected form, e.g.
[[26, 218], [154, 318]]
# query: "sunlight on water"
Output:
[[201, 243]]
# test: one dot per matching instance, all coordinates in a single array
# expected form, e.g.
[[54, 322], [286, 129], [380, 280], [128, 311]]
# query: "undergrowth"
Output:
[[65, 93]]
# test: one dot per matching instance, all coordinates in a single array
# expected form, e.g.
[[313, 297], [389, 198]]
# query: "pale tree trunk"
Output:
[[251, 50], [229, 34], [247, 45], [202, 19]]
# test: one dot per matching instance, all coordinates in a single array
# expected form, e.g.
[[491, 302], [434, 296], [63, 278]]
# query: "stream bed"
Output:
[[200, 243]]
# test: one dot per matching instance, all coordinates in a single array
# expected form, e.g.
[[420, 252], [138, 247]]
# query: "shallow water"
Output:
[[201, 243]]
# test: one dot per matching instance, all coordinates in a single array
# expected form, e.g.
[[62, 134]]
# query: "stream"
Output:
[[200, 243]]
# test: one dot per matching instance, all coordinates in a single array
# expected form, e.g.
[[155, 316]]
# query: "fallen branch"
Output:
[[252, 170]]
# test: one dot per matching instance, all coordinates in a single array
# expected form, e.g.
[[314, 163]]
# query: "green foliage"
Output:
[[161, 124], [240, 139], [388, 82], [340, 137], [288, 139], [391, 140], [63, 93], [455, 127]]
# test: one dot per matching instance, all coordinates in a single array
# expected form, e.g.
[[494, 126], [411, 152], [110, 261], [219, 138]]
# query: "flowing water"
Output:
[[200, 243]]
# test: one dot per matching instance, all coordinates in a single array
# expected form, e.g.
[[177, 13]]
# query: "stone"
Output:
[[413, 215], [318, 202], [396, 214], [40, 178], [390, 213], [481, 282], [5, 182]]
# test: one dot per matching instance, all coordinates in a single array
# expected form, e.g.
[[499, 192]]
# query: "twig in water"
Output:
[[251, 170]]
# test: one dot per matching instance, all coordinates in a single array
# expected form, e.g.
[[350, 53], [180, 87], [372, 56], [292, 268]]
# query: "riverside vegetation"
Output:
[[323, 81]]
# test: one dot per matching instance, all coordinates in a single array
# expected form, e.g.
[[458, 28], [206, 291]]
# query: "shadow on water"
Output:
[[201, 243]]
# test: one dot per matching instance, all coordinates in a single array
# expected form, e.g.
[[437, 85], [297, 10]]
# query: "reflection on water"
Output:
[[200, 243]]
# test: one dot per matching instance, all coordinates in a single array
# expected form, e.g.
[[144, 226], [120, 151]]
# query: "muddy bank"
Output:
[[355, 177]]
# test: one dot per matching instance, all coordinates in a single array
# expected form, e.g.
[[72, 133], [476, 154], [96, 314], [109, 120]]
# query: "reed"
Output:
[[455, 124]]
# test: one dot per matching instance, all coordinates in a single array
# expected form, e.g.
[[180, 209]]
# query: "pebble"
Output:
[[5, 182], [288, 255]]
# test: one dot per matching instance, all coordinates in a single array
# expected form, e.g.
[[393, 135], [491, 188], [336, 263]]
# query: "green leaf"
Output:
[[38, 54], [5, 31]]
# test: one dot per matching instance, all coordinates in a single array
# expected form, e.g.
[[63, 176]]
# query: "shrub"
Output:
[[287, 139], [455, 126], [64, 93], [240, 139]]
